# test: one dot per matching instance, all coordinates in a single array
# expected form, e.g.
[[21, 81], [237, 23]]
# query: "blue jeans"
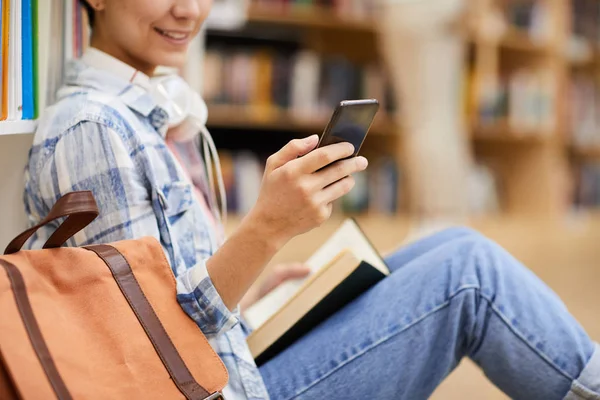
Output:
[[452, 295]]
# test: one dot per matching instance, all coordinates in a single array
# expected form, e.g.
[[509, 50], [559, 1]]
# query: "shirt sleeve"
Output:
[[92, 156]]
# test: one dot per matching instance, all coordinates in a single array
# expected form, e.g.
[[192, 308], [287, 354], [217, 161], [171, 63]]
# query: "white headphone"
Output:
[[188, 115], [183, 104]]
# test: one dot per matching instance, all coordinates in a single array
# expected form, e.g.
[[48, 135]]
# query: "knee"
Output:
[[478, 256], [458, 233], [461, 231]]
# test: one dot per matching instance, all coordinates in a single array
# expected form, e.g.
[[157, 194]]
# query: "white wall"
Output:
[[13, 157]]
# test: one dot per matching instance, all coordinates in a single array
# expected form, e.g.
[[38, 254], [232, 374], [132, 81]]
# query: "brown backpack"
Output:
[[99, 322]]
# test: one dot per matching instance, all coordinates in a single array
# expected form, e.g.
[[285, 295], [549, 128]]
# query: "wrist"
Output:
[[264, 232]]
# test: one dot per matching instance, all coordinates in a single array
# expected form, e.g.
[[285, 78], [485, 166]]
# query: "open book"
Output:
[[344, 267]]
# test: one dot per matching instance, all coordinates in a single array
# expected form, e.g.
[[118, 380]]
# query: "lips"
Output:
[[173, 35]]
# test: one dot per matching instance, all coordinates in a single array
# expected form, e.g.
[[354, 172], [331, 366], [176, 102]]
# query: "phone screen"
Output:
[[351, 124]]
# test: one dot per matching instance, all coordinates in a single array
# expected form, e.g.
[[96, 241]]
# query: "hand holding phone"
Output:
[[350, 122], [300, 184]]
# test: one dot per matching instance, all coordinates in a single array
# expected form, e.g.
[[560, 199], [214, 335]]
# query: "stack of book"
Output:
[[585, 34], [38, 36], [587, 194], [376, 189], [584, 112], [584, 18], [529, 16], [19, 48], [524, 100], [302, 82]]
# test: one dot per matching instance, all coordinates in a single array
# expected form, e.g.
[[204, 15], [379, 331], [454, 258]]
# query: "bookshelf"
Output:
[[17, 127], [501, 132], [272, 118], [586, 153], [582, 138], [529, 160]]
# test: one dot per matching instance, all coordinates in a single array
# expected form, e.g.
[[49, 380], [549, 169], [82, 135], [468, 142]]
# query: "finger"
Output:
[[324, 156], [292, 150], [336, 190], [294, 271], [339, 170]]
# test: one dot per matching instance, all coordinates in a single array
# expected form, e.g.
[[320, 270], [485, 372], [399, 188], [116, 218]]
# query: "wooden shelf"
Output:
[[586, 153], [503, 133], [513, 40], [225, 116], [319, 17], [518, 40], [17, 127], [308, 17]]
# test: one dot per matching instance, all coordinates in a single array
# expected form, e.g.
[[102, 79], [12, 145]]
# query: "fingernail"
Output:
[[312, 138], [362, 162]]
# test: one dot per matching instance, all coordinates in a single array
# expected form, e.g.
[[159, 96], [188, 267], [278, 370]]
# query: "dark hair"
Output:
[[89, 10]]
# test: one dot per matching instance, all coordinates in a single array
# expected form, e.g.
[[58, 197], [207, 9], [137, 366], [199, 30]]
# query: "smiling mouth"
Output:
[[172, 35]]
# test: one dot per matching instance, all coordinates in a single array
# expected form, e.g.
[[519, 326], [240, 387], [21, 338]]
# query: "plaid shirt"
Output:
[[107, 135]]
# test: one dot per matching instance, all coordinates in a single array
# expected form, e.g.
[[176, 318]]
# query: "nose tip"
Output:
[[188, 9]]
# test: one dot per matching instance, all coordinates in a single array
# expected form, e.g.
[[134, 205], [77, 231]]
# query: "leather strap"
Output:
[[163, 345], [8, 389], [33, 331], [80, 209]]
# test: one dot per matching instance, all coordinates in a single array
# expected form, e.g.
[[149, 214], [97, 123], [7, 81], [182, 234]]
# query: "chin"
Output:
[[175, 60]]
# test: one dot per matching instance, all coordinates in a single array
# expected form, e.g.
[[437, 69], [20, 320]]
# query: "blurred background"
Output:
[[490, 117]]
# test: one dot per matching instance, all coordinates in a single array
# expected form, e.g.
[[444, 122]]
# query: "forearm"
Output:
[[296, 195], [242, 258]]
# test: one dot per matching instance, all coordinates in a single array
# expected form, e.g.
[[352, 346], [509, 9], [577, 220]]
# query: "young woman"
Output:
[[451, 295]]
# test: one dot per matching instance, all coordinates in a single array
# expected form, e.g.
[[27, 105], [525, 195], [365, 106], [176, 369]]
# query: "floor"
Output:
[[565, 254]]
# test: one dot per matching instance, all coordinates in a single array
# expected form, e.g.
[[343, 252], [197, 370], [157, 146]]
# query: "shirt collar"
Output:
[[105, 62], [100, 71]]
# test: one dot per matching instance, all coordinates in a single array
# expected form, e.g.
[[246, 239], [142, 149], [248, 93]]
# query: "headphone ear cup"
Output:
[[173, 94], [186, 109], [199, 109]]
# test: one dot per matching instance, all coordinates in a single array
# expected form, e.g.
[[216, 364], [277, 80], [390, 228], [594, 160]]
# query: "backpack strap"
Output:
[[33, 331], [80, 208], [166, 350]]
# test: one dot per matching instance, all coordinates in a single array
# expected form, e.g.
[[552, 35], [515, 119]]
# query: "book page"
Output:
[[347, 236]]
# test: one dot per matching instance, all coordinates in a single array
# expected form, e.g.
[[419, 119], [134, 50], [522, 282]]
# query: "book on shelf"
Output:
[[587, 188], [38, 38], [302, 82], [343, 268], [376, 190], [584, 113], [524, 99], [227, 14], [532, 17]]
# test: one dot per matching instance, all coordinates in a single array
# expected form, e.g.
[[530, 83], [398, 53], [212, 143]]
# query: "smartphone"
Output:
[[350, 122]]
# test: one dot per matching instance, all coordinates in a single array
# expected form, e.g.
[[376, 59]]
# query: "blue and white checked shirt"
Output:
[[106, 135]]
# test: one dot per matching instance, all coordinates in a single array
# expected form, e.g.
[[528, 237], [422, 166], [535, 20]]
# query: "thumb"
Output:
[[294, 271], [292, 150]]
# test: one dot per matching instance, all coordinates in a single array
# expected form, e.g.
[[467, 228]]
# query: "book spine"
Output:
[[5, 34], [35, 57], [267, 80], [27, 60]]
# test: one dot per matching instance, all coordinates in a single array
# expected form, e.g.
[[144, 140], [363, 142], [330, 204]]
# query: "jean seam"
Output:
[[519, 335], [388, 337]]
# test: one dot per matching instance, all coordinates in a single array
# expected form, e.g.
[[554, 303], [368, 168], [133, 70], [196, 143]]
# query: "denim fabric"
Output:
[[452, 295]]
